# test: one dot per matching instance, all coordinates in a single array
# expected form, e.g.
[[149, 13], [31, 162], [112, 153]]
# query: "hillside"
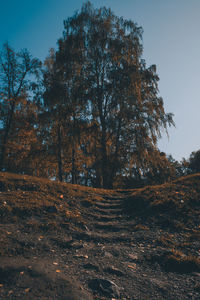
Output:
[[62, 241]]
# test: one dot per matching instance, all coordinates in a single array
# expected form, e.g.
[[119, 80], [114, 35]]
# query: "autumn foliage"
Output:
[[94, 115]]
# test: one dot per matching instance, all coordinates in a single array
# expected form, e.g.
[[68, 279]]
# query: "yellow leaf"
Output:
[[132, 266]]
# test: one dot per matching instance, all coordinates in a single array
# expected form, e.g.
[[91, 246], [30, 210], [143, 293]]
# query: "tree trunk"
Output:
[[115, 161], [73, 167], [5, 137], [59, 153], [104, 159]]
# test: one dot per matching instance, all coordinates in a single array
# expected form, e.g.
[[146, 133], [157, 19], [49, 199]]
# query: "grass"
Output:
[[23, 196], [177, 261], [174, 205]]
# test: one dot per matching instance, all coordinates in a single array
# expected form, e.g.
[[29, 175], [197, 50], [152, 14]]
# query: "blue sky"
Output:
[[171, 40]]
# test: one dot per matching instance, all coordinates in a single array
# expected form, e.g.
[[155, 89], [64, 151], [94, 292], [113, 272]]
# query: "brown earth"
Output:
[[62, 241]]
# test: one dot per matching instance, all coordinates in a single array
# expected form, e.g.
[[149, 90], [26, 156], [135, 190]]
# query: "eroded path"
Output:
[[111, 257], [106, 252]]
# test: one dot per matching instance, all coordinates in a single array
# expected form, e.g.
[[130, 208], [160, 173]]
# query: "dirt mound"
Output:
[[173, 205]]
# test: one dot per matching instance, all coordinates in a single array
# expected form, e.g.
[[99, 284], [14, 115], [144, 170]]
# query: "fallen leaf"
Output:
[[8, 232], [10, 292], [55, 263], [22, 272], [132, 266], [1, 284], [27, 290], [57, 271]]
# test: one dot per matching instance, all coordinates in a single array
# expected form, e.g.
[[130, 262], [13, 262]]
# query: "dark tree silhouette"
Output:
[[194, 162], [100, 57], [16, 73]]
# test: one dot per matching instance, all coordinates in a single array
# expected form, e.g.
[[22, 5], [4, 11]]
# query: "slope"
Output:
[[62, 241]]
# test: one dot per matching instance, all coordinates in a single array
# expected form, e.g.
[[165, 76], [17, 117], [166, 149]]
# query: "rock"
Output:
[[133, 256], [108, 254], [114, 271], [104, 287]]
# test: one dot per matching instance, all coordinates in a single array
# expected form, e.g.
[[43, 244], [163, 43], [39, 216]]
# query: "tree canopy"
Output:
[[101, 114]]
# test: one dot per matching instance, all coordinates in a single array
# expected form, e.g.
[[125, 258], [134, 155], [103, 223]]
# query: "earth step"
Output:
[[103, 237], [125, 192], [111, 201], [123, 225], [104, 217], [111, 198], [109, 211], [107, 218], [108, 205], [110, 227]]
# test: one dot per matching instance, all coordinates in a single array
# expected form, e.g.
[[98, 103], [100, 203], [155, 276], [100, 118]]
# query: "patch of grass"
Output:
[[177, 261], [174, 205], [22, 197], [174, 260]]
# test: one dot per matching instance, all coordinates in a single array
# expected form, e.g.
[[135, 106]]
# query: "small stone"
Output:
[[133, 256], [104, 287], [114, 271], [107, 254]]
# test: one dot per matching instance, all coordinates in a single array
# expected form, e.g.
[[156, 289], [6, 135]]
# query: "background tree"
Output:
[[16, 73], [194, 162]]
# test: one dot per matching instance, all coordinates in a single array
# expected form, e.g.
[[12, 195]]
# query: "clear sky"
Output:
[[171, 40]]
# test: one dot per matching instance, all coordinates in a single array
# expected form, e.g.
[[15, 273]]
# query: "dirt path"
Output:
[[110, 258], [102, 257]]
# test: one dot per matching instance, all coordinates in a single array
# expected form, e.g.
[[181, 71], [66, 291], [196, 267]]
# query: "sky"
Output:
[[171, 41]]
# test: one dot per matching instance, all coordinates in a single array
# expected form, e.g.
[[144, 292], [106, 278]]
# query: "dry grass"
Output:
[[174, 205], [23, 196], [177, 261]]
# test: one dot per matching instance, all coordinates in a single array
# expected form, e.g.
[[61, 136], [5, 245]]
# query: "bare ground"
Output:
[[59, 241]]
